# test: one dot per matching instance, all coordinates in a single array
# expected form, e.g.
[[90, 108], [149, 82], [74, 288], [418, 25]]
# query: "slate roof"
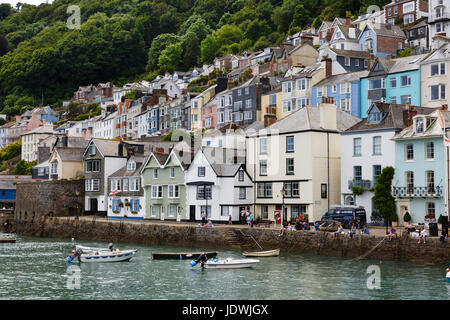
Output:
[[124, 172], [350, 53], [108, 147], [387, 30], [70, 154], [341, 78], [392, 117]]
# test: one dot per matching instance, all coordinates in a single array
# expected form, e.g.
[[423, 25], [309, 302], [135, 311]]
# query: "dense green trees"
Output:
[[122, 40]]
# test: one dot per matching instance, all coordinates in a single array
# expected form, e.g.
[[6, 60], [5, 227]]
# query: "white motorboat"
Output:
[[228, 263], [107, 256]]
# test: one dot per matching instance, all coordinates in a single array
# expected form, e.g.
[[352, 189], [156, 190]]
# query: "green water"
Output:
[[35, 268]]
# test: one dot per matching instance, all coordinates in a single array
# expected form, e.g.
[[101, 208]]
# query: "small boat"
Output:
[[105, 256], [7, 240], [182, 255], [229, 263], [83, 248], [268, 253]]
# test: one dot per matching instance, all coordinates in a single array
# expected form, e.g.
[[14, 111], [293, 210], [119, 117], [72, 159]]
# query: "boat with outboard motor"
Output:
[[90, 254], [182, 255], [227, 263]]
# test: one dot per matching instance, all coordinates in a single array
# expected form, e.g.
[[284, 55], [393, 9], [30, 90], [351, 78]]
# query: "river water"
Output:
[[35, 268]]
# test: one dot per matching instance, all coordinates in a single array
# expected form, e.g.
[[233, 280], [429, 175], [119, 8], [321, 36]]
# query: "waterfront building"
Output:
[[419, 185], [344, 89], [66, 163], [42, 136], [367, 148], [163, 180], [101, 159], [126, 194], [300, 154], [392, 80], [217, 185], [435, 77], [8, 195]]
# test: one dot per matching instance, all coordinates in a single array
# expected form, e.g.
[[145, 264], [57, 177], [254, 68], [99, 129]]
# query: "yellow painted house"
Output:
[[271, 104], [196, 106], [66, 163]]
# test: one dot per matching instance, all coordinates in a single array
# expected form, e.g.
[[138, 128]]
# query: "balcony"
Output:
[[365, 184], [271, 110], [441, 17], [417, 192], [376, 94]]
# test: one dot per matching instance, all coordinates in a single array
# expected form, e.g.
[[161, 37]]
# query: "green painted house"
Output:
[[163, 177]]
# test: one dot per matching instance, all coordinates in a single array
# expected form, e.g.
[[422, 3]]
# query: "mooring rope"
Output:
[[371, 250]]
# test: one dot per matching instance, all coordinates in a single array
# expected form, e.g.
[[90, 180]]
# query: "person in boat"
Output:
[[111, 247]]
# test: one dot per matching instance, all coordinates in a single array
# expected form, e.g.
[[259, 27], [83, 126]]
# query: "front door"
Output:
[[192, 213], [94, 206]]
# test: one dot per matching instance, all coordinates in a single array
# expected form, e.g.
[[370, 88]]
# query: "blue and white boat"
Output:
[[90, 254]]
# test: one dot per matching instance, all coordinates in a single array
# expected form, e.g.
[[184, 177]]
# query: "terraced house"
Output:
[[163, 179]]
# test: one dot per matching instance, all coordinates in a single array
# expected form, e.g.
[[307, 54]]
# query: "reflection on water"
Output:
[[35, 268]]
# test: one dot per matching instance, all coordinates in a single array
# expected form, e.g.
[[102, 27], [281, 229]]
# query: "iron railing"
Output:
[[407, 192]]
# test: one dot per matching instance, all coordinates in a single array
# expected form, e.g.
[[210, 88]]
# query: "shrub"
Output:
[[357, 191], [440, 219], [407, 217]]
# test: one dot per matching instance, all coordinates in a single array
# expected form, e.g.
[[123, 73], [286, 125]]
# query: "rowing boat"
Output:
[[182, 255], [7, 240], [268, 253], [229, 263]]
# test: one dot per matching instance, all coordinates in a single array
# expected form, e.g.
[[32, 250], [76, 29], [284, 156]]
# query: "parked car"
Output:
[[345, 215]]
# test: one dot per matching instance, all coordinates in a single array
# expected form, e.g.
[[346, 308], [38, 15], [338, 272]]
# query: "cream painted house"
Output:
[[33, 139], [66, 163], [301, 154], [196, 106], [435, 78]]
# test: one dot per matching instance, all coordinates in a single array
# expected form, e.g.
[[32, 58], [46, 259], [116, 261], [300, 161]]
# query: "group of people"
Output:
[[355, 227], [248, 217], [420, 233]]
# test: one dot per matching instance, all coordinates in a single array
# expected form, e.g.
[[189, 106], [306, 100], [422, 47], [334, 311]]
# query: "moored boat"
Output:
[[105, 256], [268, 253], [7, 240], [229, 263], [183, 255]]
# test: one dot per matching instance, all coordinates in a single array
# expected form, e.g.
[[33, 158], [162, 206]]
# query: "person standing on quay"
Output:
[[251, 219]]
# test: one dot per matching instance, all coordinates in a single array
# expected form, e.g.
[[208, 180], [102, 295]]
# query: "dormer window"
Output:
[[420, 125], [374, 117], [131, 166], [92, 150]]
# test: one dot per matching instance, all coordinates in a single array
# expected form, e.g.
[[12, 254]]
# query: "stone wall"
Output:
[[402, 249], [49, 198]]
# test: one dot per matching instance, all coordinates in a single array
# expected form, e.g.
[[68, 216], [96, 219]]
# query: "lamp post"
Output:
[[283, 192]]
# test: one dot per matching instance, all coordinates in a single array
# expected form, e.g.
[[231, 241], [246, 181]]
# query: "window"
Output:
[[204, 192], [323, 191], [291, 189], [290, 144], [287, 106], [171, 211], [429, 150], [263, 167], [302, 84], [155, 173], [92, 165], [92, 184], [263, 146], [131, 166], [125, 185], [357, 173], [207, 210], [134, 184], [238, 105], [376, 145], [376, 83], [225, 211], [241, 175], [154, 211], [54, 168], [409, 152], [437, 69], [265, 190], [404, 99], [174, 191], [302, 102], [405, 80], [347, 63], [248, 115], [273, 99], [220, 117], [393, 82], [92, 150], [172, 172], [201, 171], [157, 192], [374, 117], [408, 18], [431, 208], [319, 92], [287, 87], [248, 103], [242, 193], [290, 166], [393, 100], [356, 147], [438, 92], [430, 181], [440, 27], [376, 172]]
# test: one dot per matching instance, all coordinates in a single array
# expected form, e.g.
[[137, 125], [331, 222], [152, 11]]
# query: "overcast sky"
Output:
[[35, 2]]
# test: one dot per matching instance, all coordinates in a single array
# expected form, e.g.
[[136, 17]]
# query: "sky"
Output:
[[35, 2]]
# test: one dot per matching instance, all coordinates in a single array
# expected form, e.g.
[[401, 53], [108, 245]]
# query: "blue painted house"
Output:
[[381, 40], [7, 196], [343, 88], [392, 80], [153, 120], [419, 181], [47, 114]]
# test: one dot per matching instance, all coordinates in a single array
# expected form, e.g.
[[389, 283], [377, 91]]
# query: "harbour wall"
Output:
[[401, 249]]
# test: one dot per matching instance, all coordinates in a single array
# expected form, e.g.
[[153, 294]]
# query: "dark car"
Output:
[[345, 215]]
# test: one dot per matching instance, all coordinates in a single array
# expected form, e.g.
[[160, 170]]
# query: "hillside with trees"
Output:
[[42, 60]]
